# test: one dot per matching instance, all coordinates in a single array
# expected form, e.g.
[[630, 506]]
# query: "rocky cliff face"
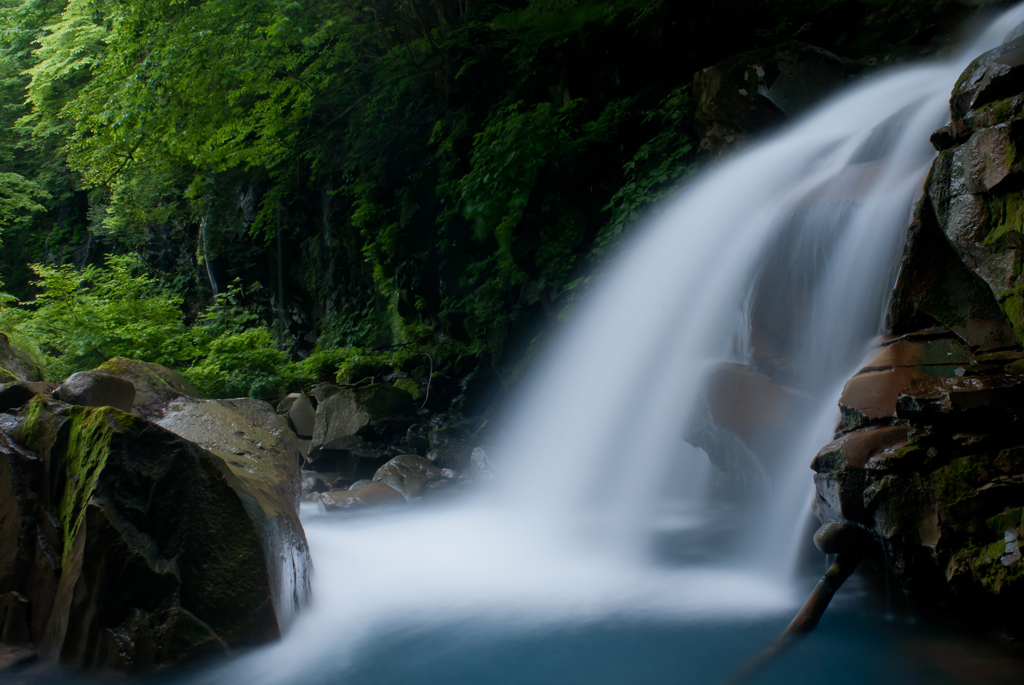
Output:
[[929, 454]]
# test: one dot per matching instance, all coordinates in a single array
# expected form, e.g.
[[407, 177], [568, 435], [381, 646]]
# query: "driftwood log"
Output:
[[831, 539]]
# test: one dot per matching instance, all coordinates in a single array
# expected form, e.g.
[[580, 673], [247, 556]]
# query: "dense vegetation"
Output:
[[268, 193]]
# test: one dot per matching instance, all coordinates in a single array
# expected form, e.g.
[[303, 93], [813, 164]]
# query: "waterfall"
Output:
[[608, 443]]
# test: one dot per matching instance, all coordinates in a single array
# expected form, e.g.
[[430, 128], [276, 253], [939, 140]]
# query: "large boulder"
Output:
[[97, 389], [262, 454], [15, 364], [132, 547], [155, 385]]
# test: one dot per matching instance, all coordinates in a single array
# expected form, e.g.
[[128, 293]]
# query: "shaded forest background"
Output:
[[266, 195]]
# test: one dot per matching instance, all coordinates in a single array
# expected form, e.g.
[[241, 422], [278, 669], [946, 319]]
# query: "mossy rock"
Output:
[[164, 549], [17, 363]]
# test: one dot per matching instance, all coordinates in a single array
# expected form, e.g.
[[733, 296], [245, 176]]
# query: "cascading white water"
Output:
[[596, 436]]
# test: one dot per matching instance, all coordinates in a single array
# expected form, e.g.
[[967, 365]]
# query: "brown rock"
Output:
[[372, 494], [97, 389], [154, 384], [410, 473], [14, 395]]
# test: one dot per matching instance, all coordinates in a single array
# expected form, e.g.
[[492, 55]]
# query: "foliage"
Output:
[[82, 318], [439, 177]]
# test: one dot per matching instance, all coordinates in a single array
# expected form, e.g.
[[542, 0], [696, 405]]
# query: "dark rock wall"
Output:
[[929, 454]]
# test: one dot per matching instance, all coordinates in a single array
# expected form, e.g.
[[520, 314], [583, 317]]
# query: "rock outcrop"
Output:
[[929, 454]]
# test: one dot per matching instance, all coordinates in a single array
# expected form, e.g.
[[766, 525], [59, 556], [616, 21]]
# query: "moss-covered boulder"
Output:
[[17, 365], [930, 461], [134, 547]]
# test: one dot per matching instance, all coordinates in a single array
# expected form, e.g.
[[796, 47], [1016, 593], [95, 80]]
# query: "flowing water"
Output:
[[605, 551]]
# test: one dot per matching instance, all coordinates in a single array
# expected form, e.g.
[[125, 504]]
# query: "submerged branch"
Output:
[[806, 619]]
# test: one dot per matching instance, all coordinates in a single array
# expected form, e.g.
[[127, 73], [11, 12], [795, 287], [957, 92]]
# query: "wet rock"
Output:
[[836, 538], [17, 363], [480, 469], [743, 410], [452, 446], [154, 384], [13, 395], [409, 474], [754, 91], [372, 411], [934, 286], [97, 389], [261, 454], [994, 76], [373, 494], [300, 412], [15, 656], [158, 548]]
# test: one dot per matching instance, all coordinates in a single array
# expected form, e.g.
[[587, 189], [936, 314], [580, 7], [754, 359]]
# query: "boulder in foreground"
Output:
[[132, 547]]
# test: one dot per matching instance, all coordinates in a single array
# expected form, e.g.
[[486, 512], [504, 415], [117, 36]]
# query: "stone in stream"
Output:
[[136, 548], [97, 389], [410, 473], [372, 494]]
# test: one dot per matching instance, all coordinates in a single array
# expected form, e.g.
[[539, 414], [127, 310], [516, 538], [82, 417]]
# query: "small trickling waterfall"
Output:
[[773, 267]]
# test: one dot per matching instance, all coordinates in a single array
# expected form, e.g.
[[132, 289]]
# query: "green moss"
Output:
[[1008, 519], [1000, 110], [410, 386], [88, 449], [959, 480], [7, 377]]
